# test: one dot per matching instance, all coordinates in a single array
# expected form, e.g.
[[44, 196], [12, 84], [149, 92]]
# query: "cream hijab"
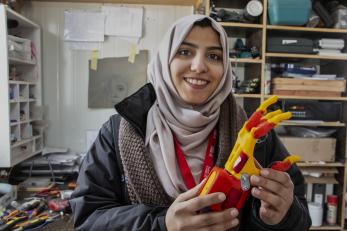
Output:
[[170, 114]]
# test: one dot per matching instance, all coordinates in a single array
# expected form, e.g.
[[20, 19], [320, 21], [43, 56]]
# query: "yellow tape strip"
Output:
[[94, 60], [132, 54]]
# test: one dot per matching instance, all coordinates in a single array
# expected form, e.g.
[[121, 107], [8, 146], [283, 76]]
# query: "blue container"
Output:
[[289, 12]]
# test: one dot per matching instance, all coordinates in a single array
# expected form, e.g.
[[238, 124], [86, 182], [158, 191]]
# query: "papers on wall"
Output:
[[124, 22], [84, 26], [88, 46]]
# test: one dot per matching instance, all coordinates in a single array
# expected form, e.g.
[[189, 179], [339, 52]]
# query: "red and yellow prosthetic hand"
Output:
[[234, 179]]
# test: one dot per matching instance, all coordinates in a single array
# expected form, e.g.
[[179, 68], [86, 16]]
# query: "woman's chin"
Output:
[[194, 101]]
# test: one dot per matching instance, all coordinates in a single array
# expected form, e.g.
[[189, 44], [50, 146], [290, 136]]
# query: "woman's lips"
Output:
[[196, 83]]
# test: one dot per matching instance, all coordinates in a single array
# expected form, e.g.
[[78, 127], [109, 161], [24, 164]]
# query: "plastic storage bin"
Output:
[[19, 48], [289, 12]]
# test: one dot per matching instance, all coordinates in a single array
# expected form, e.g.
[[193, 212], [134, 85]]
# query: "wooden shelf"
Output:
[[256, 96], [312, 123], [241, 25], [307, 29], [327, 227], [320, 180], [24, 141], [309, 97], [305, 56], [19, 61], [21, 82], [23, 22], [22, 122], [194, 3], [244, 60], [21, 100], [26, 156], [314, 164]]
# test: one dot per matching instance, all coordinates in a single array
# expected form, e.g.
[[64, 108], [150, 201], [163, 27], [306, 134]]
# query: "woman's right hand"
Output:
[[183, 213]]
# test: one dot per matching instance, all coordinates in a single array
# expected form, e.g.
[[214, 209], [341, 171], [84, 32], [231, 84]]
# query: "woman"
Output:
[[141, 173]]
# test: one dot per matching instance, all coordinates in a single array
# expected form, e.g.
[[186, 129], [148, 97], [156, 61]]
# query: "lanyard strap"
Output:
[[207, 165]]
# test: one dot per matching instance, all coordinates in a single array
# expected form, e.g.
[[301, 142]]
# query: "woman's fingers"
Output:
[[281, 177], [211, 218], [269, 185], [197, 203], [279, 183], [271, 199], [222, 226]]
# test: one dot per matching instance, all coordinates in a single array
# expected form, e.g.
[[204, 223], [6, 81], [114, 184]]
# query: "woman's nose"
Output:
[[198, 64]]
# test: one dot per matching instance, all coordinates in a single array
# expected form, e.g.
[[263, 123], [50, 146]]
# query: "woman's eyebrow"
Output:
[[196, 46]]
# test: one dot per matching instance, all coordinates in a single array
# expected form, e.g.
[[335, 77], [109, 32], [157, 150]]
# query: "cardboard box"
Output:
[[311, 149]]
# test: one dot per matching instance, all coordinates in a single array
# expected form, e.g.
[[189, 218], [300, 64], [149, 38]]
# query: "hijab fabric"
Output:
[[171, 115]]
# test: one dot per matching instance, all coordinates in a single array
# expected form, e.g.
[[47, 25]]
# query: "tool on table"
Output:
[[30, 224], [11, 223], [58, 205], [40, 208]]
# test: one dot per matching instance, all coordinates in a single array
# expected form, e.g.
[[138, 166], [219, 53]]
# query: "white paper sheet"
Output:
[[87, 46], [84, 26], [123, 21]]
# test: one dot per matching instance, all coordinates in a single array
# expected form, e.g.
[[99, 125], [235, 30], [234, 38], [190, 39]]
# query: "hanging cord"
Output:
[[50, 168]]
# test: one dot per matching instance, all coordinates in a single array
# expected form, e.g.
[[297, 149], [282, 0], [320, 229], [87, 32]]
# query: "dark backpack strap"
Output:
[[115, 125]]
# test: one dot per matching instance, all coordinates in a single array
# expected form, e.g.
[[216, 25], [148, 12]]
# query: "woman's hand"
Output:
[[275, 190], [183, 213]]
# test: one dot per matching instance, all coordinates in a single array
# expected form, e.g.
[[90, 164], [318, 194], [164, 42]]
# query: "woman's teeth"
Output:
[[196, 81]]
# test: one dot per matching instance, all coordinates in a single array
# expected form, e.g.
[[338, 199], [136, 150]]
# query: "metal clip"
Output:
[[245, 183]]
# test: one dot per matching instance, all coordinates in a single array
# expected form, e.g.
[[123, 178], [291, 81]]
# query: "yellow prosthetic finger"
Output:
[[272, 114], [264, 105], [292, 159], [278, 118]]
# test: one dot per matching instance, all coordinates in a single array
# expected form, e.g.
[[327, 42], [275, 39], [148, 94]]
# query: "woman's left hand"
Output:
[[275, 190]]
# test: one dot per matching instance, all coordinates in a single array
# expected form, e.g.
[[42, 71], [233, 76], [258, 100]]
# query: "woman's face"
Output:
[[197, 67]]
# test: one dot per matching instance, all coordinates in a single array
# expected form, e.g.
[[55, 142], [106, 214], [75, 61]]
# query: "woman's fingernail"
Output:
[[264, 172], [221, 196], [256, 191], [235, 222], [255, 178], [234, 212]]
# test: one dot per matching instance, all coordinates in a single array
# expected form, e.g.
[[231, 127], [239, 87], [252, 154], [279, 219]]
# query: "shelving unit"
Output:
[[257, 34], [20, 88], [194, 3]]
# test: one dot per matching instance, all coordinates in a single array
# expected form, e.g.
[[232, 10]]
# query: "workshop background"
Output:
[[58, 86]]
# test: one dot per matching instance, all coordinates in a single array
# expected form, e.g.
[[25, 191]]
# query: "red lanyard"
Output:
[[208, 162]]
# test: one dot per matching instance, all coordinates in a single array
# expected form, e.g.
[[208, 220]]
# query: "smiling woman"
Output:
[[197, 68], [143, 170]]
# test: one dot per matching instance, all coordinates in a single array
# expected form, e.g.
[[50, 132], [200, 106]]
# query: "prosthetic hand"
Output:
[[233, 180]]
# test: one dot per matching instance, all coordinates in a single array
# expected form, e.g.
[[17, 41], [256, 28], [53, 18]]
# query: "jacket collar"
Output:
[[135, 108]]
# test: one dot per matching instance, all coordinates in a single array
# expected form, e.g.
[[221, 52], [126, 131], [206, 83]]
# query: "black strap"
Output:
[[115, 132]]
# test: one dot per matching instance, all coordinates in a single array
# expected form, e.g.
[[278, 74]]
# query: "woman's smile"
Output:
[[196, 83]]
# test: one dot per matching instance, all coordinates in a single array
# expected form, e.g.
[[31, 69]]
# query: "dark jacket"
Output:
[[101, 200]]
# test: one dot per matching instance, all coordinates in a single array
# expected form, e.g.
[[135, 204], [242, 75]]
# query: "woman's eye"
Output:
[[184, 52], [214, 57]]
